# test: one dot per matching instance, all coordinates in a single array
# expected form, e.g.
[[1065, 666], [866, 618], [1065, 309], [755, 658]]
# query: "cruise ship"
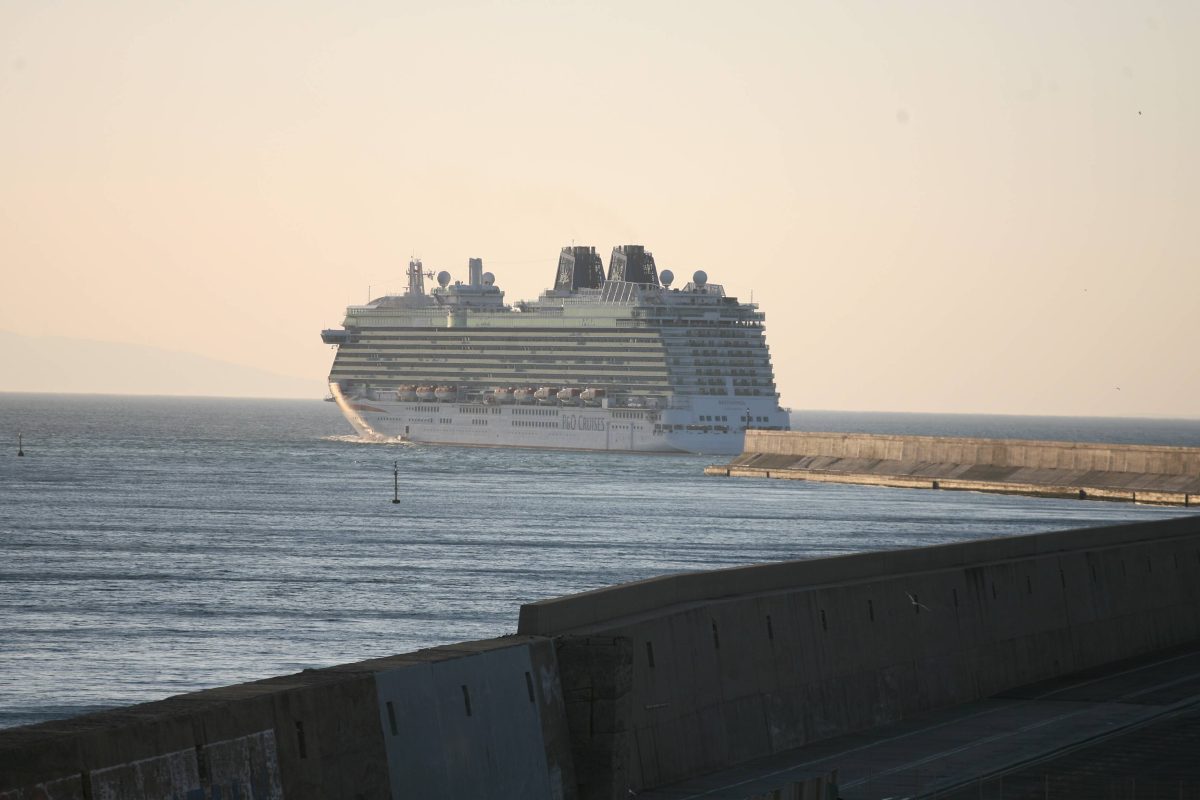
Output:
[[623, 361]]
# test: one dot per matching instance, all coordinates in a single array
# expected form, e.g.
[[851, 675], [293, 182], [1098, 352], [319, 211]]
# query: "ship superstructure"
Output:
[[621, 361]]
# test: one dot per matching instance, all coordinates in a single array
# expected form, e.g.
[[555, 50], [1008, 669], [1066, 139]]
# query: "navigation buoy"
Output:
[[395, 481], [20, 448]]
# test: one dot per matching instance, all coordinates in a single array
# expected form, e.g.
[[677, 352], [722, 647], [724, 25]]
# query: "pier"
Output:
[[1131, 473]]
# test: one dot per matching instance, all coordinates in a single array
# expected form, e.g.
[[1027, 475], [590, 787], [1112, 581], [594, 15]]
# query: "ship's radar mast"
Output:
[[416, 278]]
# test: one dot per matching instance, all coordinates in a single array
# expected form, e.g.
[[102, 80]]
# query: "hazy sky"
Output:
[[941, 206]]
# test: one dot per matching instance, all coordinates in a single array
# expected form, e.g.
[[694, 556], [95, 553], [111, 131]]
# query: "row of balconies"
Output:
[[633, 362], [492, 351], [723, 362], [570, 375], [717, 343]]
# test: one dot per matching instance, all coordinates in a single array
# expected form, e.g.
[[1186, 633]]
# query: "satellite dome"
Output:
[[666, 276], [443, 278], [700, 277], [488, 279]]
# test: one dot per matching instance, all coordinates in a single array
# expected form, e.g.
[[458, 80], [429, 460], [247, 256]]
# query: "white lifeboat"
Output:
[[568, 395], [523, 395], [545, 393], [425, 393], [406, 393], [445, 393], [503, 395], [591, 395]]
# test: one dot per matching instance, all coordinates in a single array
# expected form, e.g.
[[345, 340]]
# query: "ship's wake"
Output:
[[355, 438]]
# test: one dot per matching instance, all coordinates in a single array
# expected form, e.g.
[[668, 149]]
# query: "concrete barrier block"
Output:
[[645, 769], [46, 755], [894, 685], [685, 667], [247, 766], [599, 726], [784, 714], [328, 735], [66, 788], [551, 708], [825, 709], [711, 740], [810, 643], [788, 648], [174, 774], [677, 750], [744, 656], [145, 732], [746, 732]]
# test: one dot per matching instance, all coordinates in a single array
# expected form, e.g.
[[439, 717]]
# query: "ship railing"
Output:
[[622, 292]]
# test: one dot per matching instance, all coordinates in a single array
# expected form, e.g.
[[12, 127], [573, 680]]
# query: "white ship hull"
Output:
[[555, 427]]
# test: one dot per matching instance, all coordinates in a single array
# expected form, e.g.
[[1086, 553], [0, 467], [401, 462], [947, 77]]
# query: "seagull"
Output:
[[913, 599]]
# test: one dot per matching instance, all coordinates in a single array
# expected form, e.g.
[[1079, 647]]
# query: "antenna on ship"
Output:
[[395, 481], [20, 448]]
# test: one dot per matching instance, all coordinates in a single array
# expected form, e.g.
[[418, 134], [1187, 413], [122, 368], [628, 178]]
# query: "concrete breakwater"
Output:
[[617, 690], [1135, 473], [731, 665]]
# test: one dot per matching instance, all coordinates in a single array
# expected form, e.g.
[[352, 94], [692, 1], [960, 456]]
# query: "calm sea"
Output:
[[151, 546]]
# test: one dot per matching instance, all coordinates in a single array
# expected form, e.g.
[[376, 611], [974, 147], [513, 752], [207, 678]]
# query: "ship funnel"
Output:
[[631, 262], [579, 268], [475, 270]]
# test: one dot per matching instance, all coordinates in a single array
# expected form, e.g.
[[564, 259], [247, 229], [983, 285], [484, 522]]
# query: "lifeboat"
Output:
[[545, 393], [523, 395], [568, 395], [406, 393], [445, 393], [591, 395], [503, 395], [425, 393]]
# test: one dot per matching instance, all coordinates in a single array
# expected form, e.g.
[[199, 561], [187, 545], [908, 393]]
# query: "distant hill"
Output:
[[57, 364]]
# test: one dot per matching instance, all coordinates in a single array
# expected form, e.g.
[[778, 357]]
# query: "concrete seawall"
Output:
[[737, 664], [477, 719], [636, 686], [1136, 473]]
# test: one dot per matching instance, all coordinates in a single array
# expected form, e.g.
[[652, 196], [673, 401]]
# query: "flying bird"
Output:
[[916, 604]]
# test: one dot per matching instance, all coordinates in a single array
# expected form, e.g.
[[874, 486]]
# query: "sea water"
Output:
[[152, 546]]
